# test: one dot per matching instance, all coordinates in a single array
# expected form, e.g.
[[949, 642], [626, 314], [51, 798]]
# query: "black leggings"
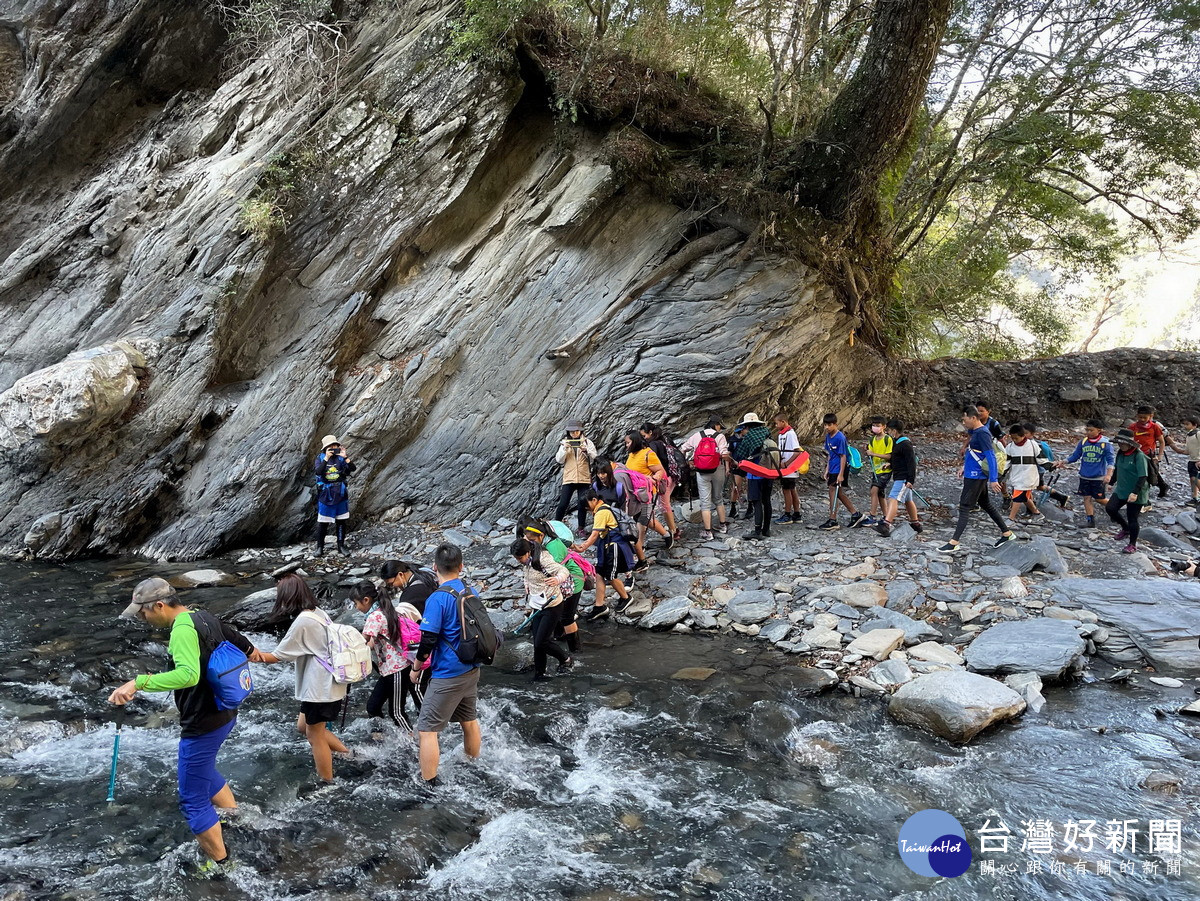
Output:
[[545, 626], [759, 492], [564, 501], [1132, 510], [975, 494], [566, 616], [393, 691]]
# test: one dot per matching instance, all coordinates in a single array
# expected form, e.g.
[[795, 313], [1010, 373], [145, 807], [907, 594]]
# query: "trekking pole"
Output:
[[519, 629], [345, 707], [112, 771], [917, 495]]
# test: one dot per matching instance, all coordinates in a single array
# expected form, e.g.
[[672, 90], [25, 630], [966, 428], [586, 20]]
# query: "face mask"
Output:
[[877, 429]]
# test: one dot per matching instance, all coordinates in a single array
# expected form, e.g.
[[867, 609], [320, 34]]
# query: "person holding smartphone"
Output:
[[332, 468], [575, 455]]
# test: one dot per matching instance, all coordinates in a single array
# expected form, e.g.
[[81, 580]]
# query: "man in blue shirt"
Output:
[[837, 474], [1096, 457], [978, 475], [453, 690]]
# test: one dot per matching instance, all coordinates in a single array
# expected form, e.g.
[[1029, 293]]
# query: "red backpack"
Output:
[[706, 457]]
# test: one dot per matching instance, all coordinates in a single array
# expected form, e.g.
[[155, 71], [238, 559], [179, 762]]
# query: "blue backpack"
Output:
[[228, 670], [229, 676]]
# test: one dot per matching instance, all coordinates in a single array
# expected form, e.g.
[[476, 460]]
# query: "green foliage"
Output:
[[1055, 142], [263, 215], [487, 30], [261, 219]]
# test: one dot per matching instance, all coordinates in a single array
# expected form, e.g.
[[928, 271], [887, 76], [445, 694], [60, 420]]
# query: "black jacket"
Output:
[[904, 461], [198, 713], [422, 584]]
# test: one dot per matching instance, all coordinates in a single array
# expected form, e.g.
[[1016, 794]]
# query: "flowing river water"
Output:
[[618, 782]]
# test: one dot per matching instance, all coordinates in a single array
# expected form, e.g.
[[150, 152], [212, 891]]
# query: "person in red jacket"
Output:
[[1151, 438]]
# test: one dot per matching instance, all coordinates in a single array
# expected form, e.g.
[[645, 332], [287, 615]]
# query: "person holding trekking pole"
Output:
[[204, 794]]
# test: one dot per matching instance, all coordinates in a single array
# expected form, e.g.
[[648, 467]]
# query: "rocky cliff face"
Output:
[[166, 374], [1059, 390]]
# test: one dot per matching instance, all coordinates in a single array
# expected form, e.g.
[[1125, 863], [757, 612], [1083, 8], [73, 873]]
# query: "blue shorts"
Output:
[[900, 492], [1091, 488], [199, 779]]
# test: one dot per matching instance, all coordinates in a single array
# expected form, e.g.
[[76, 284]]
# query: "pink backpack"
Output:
[[644, 488], [589, 571], [410, 634]]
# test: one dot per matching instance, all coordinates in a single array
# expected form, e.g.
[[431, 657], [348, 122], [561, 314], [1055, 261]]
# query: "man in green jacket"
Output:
[[194, 635], [1131, 476]]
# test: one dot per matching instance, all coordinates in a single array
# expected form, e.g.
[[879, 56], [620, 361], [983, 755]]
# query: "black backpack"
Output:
[[479, 639]]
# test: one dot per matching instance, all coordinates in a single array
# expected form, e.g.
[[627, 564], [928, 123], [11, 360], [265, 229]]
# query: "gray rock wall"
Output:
[[442, 238], [1057, 390]]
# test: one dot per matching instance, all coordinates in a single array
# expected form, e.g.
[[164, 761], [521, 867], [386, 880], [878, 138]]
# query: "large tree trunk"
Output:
[[864, 131]]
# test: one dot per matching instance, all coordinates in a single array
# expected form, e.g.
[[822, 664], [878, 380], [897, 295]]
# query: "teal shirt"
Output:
[[558, 550], [1130, 468]]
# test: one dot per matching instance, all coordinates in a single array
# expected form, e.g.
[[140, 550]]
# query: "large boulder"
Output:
[[1160, 616], [65, 403], [1026, 556], [856, 594], [667, 613], [915, 630], [955, 705], [1156, 537], [507, 620], [751, 606], [1048, 647], [253, 612]]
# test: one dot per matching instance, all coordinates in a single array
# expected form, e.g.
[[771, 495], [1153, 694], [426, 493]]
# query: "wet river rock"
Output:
[[1160, 616], [1048, 647], [955, 705]]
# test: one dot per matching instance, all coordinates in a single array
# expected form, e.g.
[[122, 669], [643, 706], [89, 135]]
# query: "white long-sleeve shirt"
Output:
[[1023, 461], [549, 582]]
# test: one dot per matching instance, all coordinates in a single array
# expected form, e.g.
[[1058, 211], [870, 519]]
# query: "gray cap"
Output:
[[574, 425], [147, 592]]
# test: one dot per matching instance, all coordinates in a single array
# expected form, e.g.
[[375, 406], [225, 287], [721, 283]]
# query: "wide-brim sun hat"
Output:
[[574, 425], [750, 419], [1125, 436], [328, 440]]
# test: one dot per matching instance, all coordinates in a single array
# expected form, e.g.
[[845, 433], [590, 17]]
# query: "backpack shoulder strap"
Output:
[[208, 629]]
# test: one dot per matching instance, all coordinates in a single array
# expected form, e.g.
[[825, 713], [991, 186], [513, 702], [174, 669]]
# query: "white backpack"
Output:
[[349, 657]]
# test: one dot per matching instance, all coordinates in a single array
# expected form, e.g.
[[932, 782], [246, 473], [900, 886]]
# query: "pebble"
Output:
[[1166, 682], [694, 673]]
